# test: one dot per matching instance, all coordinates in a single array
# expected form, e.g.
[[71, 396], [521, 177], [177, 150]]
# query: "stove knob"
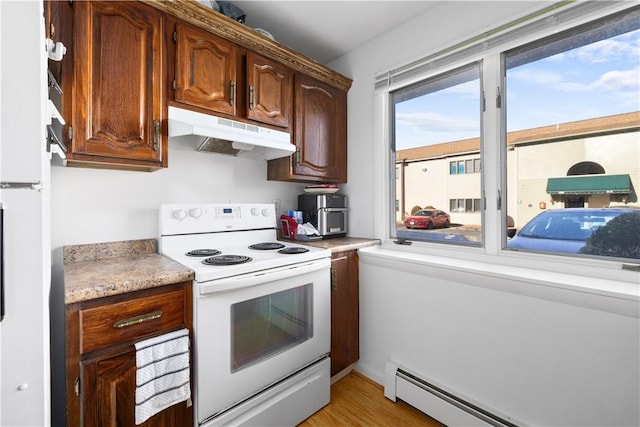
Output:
[[265, 212], [195, 212], [255, 211], [180, 214]]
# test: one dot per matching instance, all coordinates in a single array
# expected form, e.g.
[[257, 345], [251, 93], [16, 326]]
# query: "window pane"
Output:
[[476, 165], [572, 114], [453, 168], [435, 121], [460, 168]]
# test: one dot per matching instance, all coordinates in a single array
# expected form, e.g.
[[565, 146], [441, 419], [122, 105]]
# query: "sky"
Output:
[[596, 80]]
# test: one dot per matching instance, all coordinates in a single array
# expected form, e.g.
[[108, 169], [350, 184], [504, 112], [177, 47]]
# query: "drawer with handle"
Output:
[[130, 320]]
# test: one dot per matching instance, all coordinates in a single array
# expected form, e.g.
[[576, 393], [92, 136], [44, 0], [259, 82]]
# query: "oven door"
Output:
[[252, 331], [332, 221]]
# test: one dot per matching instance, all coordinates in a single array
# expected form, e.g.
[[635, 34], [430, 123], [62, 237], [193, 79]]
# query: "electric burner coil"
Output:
[[227, 260], [203, 252], [267, 246], [293, 250]]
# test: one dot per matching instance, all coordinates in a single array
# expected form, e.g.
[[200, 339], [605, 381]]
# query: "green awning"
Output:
[[590, 184]]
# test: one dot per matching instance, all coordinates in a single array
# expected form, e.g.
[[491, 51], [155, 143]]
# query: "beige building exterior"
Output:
[[588, 163]]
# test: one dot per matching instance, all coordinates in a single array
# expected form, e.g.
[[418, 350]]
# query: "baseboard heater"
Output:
[[434, 400]]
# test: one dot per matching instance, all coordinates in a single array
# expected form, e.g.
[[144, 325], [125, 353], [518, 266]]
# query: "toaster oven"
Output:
[[327, 212]]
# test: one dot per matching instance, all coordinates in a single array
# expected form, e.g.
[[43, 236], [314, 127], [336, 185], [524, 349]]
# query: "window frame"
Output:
[[493, 166], [468, 71]]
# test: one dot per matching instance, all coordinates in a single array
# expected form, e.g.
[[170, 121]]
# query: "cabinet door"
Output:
[[205, 70], [269, 89], [319, 133], [108, 389], [345, 323], [117, 84]]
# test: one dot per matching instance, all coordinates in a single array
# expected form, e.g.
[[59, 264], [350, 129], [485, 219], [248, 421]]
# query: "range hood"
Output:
[[220, 135]]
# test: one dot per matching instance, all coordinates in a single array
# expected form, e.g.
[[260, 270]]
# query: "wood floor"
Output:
[[358, 401]]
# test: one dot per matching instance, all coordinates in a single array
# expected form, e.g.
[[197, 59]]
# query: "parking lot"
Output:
[[456, 233]]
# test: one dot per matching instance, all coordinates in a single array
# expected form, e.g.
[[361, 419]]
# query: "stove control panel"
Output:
[[228, 212], [207, 218]]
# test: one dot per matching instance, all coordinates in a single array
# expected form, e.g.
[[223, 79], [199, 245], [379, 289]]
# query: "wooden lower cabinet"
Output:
[[345, 314], [101, 359]]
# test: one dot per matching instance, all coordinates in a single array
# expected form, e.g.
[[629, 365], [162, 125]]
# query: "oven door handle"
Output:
[[261, 277]]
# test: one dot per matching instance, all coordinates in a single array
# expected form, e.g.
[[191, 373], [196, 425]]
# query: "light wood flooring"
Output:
[[358, 401]]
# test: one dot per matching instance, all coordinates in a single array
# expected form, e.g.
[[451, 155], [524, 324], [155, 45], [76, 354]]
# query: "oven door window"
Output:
[[336, 222], [268, 325]]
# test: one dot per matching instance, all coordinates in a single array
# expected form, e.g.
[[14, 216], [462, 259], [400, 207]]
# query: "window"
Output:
[[559, 116], [464, 166], [464, 205], [435, 113], [566, 96]]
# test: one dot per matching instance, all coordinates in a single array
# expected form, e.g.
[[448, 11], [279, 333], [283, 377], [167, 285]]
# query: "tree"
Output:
[[620, 237]]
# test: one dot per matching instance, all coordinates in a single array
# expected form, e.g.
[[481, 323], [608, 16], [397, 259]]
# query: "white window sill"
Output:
[[613, 296]]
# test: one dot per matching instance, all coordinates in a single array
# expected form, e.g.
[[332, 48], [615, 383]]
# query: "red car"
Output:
[[428, 218]]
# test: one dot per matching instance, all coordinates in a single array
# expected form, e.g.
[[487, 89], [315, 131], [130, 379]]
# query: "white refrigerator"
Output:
[[24, 195]]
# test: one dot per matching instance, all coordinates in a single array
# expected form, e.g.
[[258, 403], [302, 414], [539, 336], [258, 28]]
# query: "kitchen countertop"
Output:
[[104, 269], [338, 244]]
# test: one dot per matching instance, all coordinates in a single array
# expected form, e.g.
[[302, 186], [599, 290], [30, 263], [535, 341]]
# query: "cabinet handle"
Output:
[[251, 97], [136, 320], [232, 93], [334, 282], [156, 135], [298, 156]]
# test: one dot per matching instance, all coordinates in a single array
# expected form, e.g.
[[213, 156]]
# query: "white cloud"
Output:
[[614, 80], [573, 71], [605, 50], [434, 122], [625, 80]]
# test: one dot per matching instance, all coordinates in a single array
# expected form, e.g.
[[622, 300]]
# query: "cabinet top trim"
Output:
[[223, 26]]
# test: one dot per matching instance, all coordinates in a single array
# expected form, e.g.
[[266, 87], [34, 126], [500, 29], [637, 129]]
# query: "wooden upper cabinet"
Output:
[[206, 67], [269, 86], [118, 97], [319, 133]]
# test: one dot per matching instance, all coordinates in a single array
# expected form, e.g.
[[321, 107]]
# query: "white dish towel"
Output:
[[162, 375]]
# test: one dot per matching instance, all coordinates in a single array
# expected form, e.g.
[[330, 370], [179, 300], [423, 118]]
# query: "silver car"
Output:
[[567, 230]]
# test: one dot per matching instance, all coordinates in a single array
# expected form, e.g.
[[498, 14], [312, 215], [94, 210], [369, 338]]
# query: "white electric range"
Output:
[[261, 314]]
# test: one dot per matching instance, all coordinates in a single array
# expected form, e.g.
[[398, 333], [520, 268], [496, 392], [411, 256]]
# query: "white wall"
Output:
[[96, 205], [542, 362]]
